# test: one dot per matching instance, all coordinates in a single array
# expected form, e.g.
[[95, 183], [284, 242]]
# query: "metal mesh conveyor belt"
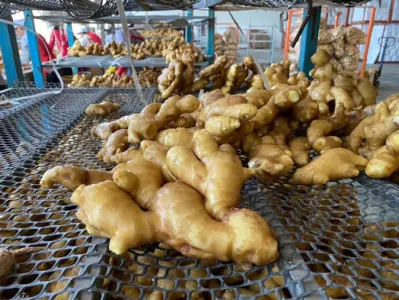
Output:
[[339, 240]]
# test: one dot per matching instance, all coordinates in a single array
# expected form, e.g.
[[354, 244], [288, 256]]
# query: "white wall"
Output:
[[244, 18]]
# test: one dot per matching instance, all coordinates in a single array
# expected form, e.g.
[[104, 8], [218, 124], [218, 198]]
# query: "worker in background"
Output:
[[87, 37], [135, 38], [109, 34], [58, 38], [45, 52]]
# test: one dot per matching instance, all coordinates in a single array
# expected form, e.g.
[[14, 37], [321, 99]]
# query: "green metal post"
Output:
[[309, 39]]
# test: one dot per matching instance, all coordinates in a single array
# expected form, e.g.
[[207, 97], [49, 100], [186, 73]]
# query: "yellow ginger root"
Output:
[[185, 120], [270, 161], [256, 84], [231, 78], [318, 138], [71, 177], [125, 156], [221, 125], [265, 115], [385, 161], [332, 164], [102, 109], [211, 97], [110, 212], [236, 136], [324, 73], [175, 137], [215, 68], [319, 90], [341, 96], [104, 130], [383, 125], [299, 148], [306, 110], [156, 153], [318, 129], [147, 126], [320, 58], [356, 137], [232, 106], [326, 143], [367, 90], [140, 178], [251, 140], [278, 73], [258, 98], [280, 131], [152, 108], [116, 142], [216, 174], [286, 97]]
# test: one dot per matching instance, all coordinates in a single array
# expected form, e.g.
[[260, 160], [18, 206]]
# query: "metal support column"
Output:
[[210, 48], [33, 45], [102, 34], [9, 50], [71, 41], [189, 29], [309, 40]]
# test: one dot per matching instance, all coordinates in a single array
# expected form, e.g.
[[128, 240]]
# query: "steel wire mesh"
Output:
[[337, 241]]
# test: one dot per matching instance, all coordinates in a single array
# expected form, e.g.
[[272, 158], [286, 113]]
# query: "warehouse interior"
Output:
[[199, 149]]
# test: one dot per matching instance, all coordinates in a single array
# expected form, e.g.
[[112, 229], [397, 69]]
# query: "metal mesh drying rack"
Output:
[[339, 240]]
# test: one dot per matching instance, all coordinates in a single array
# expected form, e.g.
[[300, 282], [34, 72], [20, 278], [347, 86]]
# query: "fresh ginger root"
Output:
[[8, 258], [156, 153], [211, 97], [385, 161], [356, 137], [175, 137], [251, 140], [383, 125], [320, 58], [305, 110], [333, 164], [216, 174], [287, 97], [102, 109], [299, 148], [270, 160], [318, 136], [116, 143], [258, 98], [71, 177], [232, 106], [326, 143], [104, 130], [367, 90], [278, 73], [108, 211], [280, 131], [146, 126]]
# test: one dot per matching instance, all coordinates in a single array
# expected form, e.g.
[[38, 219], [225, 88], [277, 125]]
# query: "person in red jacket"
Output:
[[58, 38], [46, 53]]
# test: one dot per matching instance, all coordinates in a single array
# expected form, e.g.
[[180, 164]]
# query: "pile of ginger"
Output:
[[177, 161]]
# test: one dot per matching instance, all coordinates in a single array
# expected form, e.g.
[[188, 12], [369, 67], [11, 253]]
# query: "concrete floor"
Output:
[[389, 81]]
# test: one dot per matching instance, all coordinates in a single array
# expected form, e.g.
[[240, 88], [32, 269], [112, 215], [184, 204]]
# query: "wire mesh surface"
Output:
[[339, 240]]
